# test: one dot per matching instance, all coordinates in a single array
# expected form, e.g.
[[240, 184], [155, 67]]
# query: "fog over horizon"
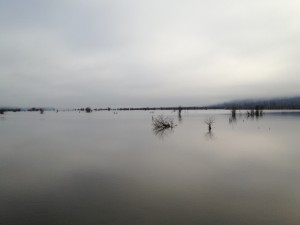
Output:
[[147, 53]]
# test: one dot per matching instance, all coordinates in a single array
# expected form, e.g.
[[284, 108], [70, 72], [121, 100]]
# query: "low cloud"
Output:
[[137, 53]]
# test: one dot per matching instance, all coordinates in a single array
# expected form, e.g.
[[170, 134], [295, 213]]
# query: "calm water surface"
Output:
[[106, 169]]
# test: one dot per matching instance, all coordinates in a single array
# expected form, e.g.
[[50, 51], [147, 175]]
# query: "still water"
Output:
[[112, 169]]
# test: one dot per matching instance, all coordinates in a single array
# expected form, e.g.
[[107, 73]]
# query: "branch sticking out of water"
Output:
[[162, 122], [162, 125], [209, 121]]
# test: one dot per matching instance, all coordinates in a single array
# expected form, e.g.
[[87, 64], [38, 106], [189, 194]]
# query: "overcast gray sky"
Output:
[[68, 53]]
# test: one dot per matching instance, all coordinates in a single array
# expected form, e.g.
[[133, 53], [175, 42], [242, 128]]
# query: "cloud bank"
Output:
[[147, 53]]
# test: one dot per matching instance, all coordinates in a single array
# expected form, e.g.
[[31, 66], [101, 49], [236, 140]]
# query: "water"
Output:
[[112, 169]]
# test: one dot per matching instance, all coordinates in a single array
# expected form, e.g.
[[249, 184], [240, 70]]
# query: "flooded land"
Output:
[[106, 168]]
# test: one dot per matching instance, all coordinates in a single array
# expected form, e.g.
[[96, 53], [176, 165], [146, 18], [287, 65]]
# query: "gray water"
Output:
[[113, 169]]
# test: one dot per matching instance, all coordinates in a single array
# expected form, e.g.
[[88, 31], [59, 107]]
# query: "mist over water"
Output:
[[104, 168]]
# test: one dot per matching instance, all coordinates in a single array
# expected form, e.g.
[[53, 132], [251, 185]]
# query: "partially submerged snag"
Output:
[[162, 125], [88, 110], [162, 122], [209, 121]]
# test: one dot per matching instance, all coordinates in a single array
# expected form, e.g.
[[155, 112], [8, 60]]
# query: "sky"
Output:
[[72, 53]]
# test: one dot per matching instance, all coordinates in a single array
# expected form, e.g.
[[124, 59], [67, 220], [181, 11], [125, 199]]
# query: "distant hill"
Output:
[[274, 103]]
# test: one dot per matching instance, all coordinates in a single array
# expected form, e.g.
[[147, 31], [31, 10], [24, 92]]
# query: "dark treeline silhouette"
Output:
[[180, 108], [89, 109], [256, 105], [36, 110], [33, 109], [3, 110], [266, 104]]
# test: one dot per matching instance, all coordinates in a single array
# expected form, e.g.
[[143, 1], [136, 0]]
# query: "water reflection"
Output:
[[210, 135], [68, 169], [179, 117], [162, 132], [249, 115], [232, 120], [255, 113], [292, 113]]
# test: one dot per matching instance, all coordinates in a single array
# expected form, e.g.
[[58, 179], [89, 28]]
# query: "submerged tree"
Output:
[[179, 114], [209, 121], [179, 111], [162, 122], [232, 118], [233, 112], [88, 110], [162, 125]]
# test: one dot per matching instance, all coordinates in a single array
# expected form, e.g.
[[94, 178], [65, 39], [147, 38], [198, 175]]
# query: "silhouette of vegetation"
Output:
[[276, 103], [256, 112], [41, 110], [162, 125], [88, 110], [232, 119], [233, 115], [233, 112], [3, 110], [162, 122], [179, 111], [209, 121], [179, 114]]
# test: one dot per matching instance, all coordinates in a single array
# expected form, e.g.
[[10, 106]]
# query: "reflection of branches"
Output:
[[179, 114], [179, 118], [232, 119], [162, 132], [210, 135]]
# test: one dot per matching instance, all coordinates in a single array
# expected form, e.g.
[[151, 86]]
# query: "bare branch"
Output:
[[162, 122], [209, 121]]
